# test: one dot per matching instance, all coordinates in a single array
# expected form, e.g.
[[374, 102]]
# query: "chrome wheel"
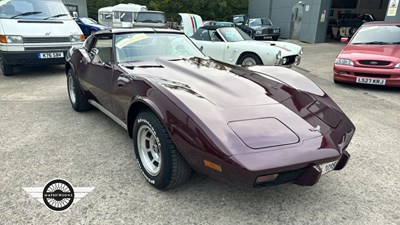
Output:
[[249, 61], [71, 89], [149, 150]]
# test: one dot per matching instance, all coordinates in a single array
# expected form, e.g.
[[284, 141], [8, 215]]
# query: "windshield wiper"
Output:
[[25, 14], [56, 16]]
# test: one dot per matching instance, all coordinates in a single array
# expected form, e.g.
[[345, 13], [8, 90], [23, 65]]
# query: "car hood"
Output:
[[226, 101], [373, 52], [285, 47]]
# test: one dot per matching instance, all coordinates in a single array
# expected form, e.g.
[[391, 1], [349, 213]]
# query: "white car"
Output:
[[233, 46]]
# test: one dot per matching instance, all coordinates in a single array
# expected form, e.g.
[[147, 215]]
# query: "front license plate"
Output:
[[51, 55], [328, 167], [366, 80]]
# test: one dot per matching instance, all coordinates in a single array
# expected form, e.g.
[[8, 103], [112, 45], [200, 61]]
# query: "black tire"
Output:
[[252, 56], [275, 38], [7, 69], [76, 95], [172, 170]]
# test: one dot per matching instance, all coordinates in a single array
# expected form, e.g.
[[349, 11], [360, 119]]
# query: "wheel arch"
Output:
[[68, 66], [248, 52], [139, 106]]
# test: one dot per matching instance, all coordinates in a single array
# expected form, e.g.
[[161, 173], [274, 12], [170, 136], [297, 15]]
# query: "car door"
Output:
[[96, 75], [213, 46]]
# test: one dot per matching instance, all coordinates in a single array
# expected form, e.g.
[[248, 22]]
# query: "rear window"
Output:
[[150, 17]]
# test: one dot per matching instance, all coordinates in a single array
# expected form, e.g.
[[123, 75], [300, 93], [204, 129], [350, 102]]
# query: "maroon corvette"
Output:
[[254, 127]]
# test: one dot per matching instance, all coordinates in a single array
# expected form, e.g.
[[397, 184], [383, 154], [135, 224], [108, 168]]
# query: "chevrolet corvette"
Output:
[[256, 126]]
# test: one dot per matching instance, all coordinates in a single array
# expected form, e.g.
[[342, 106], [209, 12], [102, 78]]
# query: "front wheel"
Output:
[[159, 160], [249, 59], [7, 69], [275, 38], [76, 95]]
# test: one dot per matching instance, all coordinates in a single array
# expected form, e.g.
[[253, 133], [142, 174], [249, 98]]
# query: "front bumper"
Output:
[[349, 74], [30, 58], [265, 36]]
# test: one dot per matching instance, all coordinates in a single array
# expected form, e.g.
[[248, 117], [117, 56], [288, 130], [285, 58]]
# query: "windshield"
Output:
[[373, 35], [125, 16], [88, 21], [238, 19], [233, 34], [149, 46], [33, 9], [154, 17], [260, 22]]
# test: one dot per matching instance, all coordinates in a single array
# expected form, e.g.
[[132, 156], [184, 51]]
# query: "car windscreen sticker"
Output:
[[130, 40]]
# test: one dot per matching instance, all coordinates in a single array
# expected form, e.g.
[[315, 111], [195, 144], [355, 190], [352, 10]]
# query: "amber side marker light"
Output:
[[212, 165], [266, 178], [82, 37], [3, 39]]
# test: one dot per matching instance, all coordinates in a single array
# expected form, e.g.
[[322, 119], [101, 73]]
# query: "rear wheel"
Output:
[[159, 160], [249, 59], [76, 95]]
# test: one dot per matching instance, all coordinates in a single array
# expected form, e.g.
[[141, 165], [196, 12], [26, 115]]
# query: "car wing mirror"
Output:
[[94, 51], [85, 56], [201, 48]]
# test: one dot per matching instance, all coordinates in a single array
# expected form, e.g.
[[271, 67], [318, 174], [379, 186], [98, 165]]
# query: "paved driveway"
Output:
[[42, 138]]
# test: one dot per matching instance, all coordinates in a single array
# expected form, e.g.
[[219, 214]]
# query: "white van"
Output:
[[34, 32], [121, 15]]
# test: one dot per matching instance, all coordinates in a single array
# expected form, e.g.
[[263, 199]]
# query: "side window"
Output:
[[205, 36], [104, 53]]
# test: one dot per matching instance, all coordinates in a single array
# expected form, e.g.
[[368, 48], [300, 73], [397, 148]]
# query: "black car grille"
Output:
[[374, 62], [289, 60], [47, 48], [372, 75], [46, 39], [267, 31], [284, 177]]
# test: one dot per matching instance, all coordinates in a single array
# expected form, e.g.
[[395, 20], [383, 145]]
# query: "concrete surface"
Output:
[[42, 138]]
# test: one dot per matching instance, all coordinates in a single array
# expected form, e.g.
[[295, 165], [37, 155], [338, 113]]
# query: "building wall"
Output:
[[315, 20], [280, 12], [81, 4], [395, 17]]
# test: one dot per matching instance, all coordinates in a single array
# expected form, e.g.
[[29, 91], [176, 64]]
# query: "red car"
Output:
[[372, 56], [255, 127]]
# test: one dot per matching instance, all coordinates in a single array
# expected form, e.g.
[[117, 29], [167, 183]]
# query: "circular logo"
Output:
[[58, 195]]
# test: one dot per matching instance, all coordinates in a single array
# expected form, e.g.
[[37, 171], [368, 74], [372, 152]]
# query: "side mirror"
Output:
[[201, 48], [94, 51], [344, 39], [74, 15]]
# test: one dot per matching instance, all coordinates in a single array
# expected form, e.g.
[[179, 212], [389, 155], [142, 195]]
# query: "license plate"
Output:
[[328, 167], [51, 55], [366, 80]]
